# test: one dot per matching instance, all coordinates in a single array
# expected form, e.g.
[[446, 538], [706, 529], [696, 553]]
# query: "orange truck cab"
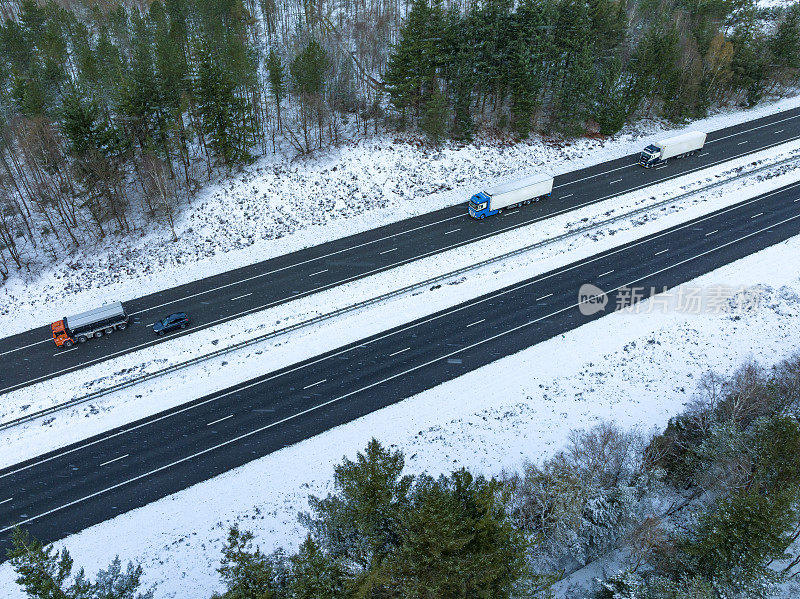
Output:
[[60, 335], [95, 323]]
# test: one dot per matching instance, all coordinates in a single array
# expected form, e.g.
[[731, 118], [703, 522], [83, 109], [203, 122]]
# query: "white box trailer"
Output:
[[672, 147], [494, 199], [92, 323]]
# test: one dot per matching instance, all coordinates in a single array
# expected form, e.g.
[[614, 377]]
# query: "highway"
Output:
[[88, 482], [33, 357]]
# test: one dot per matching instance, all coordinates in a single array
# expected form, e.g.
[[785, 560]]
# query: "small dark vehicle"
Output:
[[173, 322]]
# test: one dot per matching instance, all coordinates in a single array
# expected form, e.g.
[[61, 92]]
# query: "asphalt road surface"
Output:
[[32, 356], [72, 488]]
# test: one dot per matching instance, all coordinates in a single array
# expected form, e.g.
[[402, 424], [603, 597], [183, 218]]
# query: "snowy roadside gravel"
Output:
[[637, 369], [277, 206]]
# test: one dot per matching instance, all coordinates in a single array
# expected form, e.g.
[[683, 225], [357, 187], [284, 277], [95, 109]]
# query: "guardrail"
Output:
[[397, 292]]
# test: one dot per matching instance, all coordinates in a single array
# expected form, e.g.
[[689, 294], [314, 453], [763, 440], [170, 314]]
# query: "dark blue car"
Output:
[[173, 322]]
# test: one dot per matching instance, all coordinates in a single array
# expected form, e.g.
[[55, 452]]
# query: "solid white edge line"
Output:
[[499, 293], [219, 420], [346, 395], [122, 457]]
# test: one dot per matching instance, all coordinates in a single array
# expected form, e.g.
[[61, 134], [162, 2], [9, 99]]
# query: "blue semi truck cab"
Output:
[[479, 206], [494, 200]]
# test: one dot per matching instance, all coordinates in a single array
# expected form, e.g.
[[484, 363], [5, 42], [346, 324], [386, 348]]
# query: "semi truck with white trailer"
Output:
[[673, 147], [94, 323], [509, 195]]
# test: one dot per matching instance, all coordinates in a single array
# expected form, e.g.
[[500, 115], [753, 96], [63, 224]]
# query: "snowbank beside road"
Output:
[[276, 206]]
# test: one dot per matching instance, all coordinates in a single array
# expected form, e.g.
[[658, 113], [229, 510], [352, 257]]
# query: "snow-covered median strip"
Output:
[[635, 368], [175, 388]]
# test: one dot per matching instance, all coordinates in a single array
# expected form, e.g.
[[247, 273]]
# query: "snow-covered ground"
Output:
[[637, 369], [276, 206], [64, 427]]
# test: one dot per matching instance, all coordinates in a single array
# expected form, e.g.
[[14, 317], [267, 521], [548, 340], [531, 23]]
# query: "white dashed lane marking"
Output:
[[315, 384]]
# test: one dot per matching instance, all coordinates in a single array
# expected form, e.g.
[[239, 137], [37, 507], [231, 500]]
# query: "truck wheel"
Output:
[[183, 326], [483, 216], [122, 325], [98, 334], [83, 339], [161, 333], [67, 343], [109, 330]]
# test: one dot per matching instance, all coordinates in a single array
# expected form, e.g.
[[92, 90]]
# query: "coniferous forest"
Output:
[[113, 114]]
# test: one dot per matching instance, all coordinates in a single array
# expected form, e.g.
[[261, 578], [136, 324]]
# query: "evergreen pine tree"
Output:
[[785, 45], [359, 523], [435, 117], [575, 87], [309, 70], [456, 541], [315, 575], [45, 574], [409, 66], [246, 572], [224, 115], [277, 81], [140, 93], [748, 65], [42, 572]]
